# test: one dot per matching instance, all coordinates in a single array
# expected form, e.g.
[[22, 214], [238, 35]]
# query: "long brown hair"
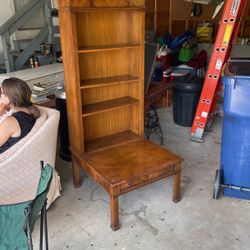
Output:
[[19, 94]]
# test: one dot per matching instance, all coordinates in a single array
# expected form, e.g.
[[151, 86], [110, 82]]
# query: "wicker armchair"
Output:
[[20, 165]]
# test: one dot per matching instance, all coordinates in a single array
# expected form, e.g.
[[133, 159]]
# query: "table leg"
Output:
[[177, 183], [114, 209], [76, 172]]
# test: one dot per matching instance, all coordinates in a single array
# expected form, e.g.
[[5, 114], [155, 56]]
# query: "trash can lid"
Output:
[[237, 67], [189, 82]]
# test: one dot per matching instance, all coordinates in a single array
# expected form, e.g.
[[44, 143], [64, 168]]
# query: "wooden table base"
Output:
[[126, 167]]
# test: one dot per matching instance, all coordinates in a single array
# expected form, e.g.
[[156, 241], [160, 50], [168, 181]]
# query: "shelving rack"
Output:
[[103, 54]]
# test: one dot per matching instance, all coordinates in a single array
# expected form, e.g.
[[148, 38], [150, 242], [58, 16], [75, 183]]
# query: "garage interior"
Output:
[[117, 58]]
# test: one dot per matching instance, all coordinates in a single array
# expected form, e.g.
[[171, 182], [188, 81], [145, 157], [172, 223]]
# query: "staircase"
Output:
[[27, 42]]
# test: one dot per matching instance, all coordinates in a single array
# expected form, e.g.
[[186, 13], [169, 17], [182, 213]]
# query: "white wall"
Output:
[[6, 12], [238, 50]]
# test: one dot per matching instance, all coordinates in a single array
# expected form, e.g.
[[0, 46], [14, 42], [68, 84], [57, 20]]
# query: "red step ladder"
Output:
[[226, 37]]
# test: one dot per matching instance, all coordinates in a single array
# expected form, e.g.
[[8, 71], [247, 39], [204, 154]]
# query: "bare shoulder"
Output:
[[9, 128], [10, 123], [9, 120]]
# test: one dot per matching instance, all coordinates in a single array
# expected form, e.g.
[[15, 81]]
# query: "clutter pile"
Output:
[[179, 57]]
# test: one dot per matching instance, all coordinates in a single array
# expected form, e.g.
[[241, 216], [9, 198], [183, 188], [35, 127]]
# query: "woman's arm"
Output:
[[9, 128]]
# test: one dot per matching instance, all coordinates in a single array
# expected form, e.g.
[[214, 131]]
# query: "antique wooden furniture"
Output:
[[131, 165], [103, 55], [158, 94]]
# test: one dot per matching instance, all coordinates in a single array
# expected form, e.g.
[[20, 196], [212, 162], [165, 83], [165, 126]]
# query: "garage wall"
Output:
[[157, 15], [175, 16]]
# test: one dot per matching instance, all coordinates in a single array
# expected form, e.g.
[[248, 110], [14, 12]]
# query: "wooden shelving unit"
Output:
[[103, 51], [103, 56]]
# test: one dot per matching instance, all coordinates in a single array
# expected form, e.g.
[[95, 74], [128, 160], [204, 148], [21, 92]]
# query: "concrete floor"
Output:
[[80, 219]]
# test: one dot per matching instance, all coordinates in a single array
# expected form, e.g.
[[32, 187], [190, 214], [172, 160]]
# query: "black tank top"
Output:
[[26, 123]]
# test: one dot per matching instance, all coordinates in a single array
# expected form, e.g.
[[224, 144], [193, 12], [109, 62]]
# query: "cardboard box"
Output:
[[204, 32]]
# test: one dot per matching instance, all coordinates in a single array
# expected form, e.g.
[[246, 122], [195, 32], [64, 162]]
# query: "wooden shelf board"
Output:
[[107, 47], [106, 81], [104, 9], [111, 141], [100, 107]]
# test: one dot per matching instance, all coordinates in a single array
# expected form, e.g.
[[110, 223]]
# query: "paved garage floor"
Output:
[[79, 219]]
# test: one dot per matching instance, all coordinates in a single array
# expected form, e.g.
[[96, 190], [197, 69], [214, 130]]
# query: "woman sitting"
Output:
[[16, 96]]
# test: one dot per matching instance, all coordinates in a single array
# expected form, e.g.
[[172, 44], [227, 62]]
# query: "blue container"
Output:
[[235, 148]]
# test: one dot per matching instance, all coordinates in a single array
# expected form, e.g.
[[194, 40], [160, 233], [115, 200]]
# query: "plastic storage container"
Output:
[[235, 148], [186, 94]]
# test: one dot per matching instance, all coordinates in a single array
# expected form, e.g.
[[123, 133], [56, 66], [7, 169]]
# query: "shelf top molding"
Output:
[[101, 5]]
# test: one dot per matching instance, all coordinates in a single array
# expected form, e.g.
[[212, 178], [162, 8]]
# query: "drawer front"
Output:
[[145, 179]]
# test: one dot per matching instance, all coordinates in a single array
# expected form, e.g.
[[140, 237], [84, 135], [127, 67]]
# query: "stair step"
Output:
[[2, 68], [22, 44], [22, 40], [30, 29], [26, 33], [15, 53]]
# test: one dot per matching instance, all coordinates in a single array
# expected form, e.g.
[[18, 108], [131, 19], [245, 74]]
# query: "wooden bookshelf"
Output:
[[103, 51], [103, 56]]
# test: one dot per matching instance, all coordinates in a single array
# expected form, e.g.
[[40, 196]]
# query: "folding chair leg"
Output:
[[46, 226], [41, 229], [29, 237], [30, 243]]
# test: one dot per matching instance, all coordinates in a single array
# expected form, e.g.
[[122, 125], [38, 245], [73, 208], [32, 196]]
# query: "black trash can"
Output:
[[186, 94], [63, 127]]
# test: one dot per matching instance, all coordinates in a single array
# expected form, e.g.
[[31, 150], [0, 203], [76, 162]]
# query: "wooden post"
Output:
[[170, 17], [155, 16]]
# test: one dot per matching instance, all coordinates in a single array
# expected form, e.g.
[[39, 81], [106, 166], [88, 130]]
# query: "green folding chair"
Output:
[[17, 221]]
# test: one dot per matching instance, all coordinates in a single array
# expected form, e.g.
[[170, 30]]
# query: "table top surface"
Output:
[[130, 160]]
